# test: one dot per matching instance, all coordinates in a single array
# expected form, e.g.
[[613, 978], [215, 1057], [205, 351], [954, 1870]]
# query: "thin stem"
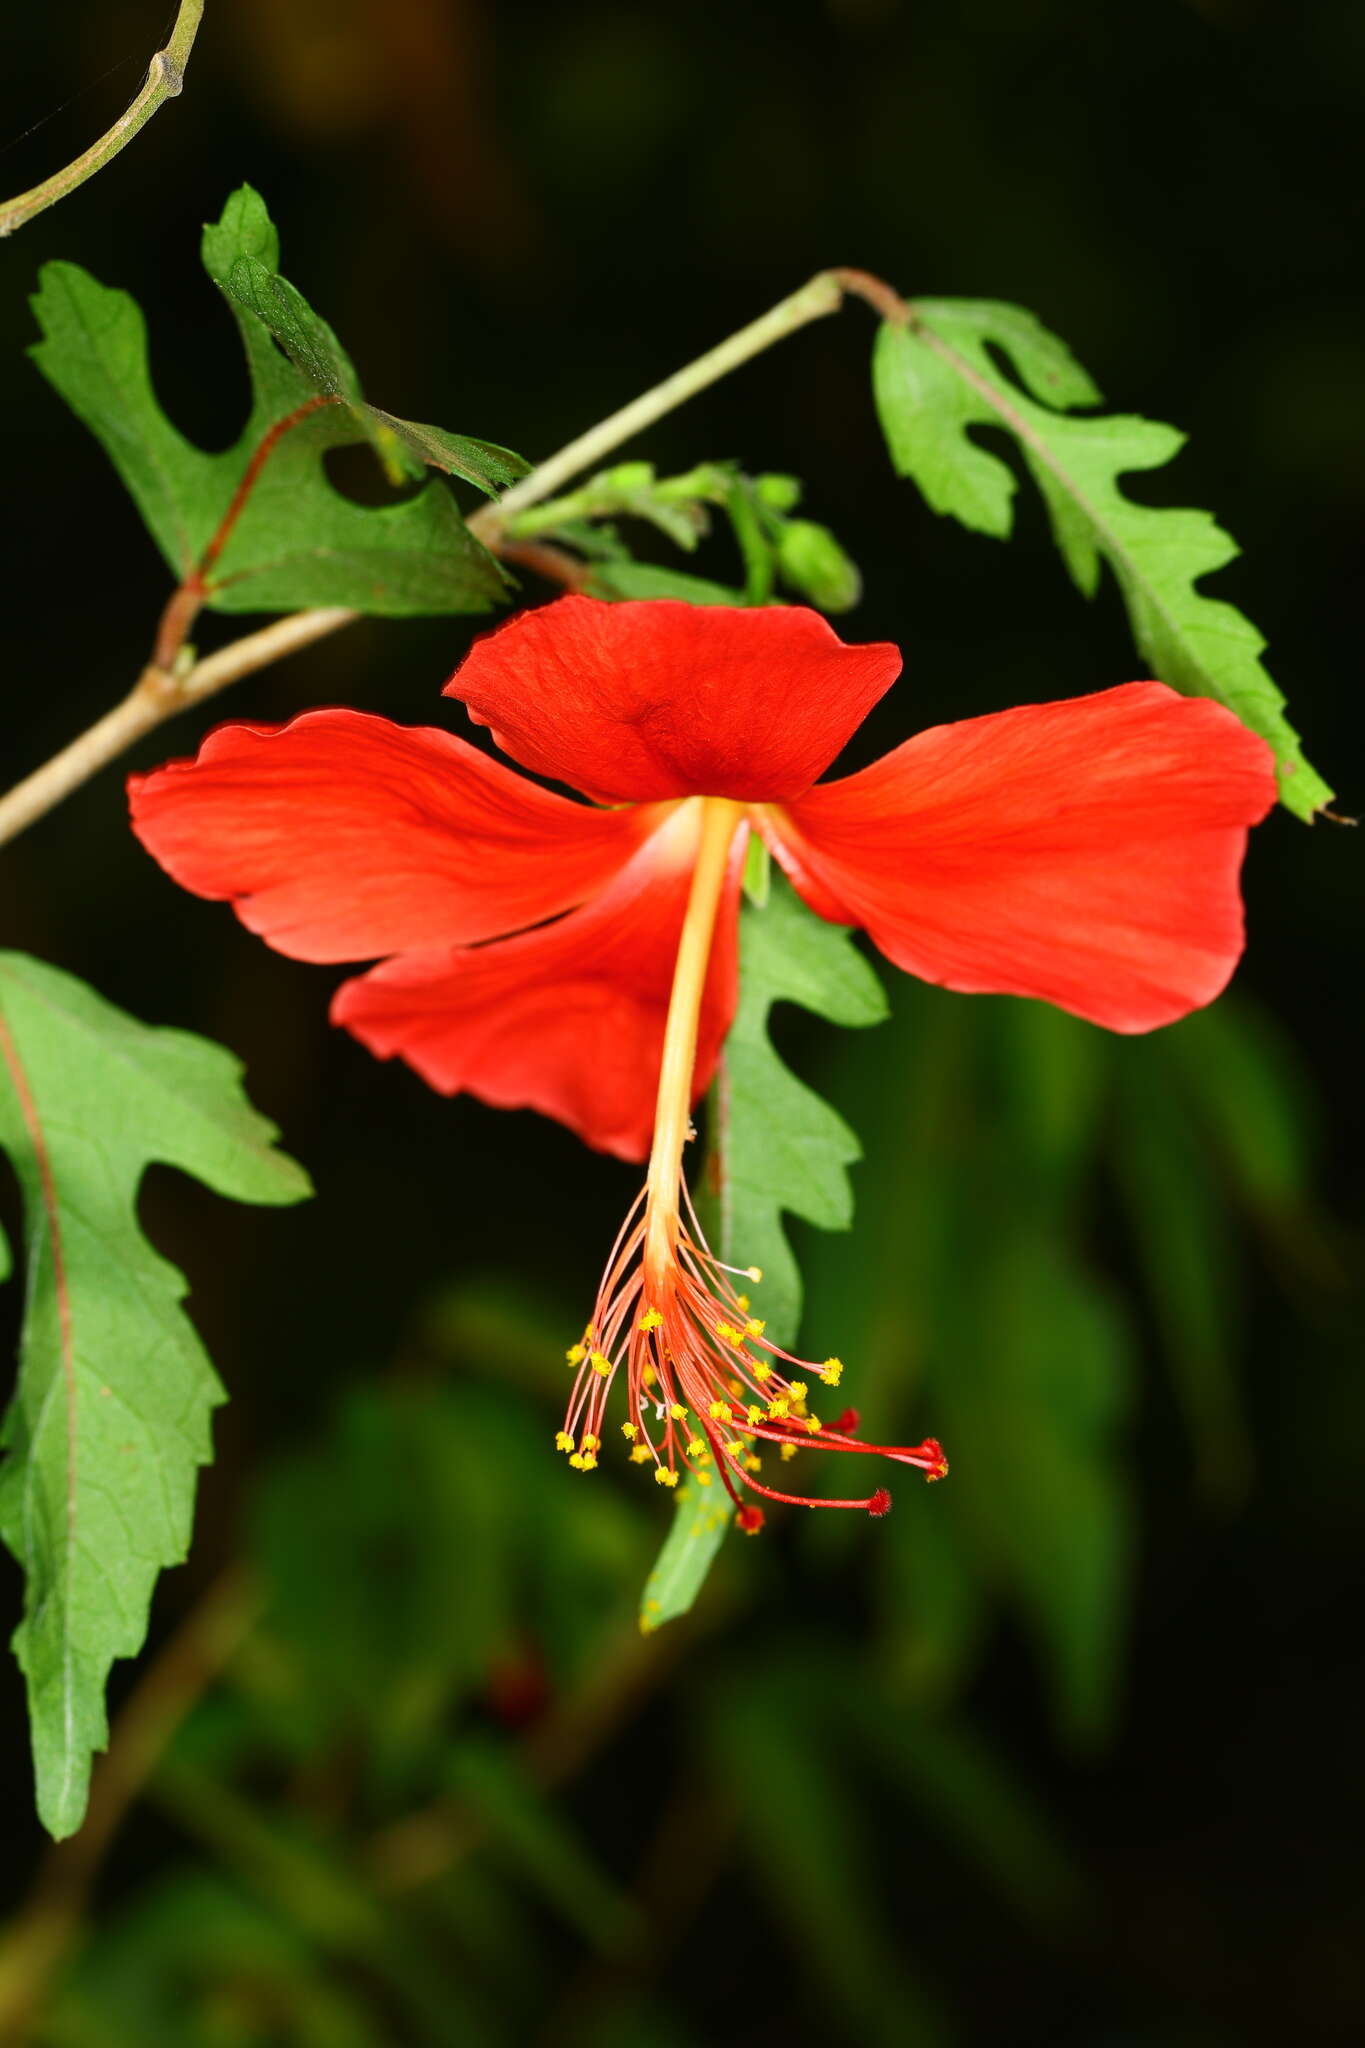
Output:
[[720, 819], [556, 565], [154, 697], [425, 1846], [159, 695], [822, 295], [165, 77]]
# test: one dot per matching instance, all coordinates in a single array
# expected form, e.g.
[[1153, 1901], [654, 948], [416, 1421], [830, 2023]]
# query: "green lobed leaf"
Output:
[[700, 1520], [297, 541], [110, 1418], [776, 1145], [482, 463], [936, 380]]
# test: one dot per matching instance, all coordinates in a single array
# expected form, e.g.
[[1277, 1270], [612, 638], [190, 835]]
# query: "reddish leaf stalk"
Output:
[[185, 602]]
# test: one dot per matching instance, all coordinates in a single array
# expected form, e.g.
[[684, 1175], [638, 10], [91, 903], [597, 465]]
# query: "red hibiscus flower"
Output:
[[580, 959]]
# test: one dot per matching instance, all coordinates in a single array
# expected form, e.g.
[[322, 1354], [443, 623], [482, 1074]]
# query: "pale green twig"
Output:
[[165, 77]]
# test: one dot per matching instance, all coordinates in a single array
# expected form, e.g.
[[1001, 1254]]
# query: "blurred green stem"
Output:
[[165, 78], [422, 1848], [40, 1935]]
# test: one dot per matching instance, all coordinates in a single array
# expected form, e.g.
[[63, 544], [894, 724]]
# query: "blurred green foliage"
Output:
[[388, 1806]]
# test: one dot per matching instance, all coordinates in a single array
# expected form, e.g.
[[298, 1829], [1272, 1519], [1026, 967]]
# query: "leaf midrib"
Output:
[[47, 1190], [1111, 545]]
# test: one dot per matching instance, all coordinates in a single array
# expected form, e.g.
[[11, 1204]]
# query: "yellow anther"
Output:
[[664, 1477], [798, 1394], [753, 1464], [832, 1371], [814, 1424], [576, 1353], [778, 1408], [590, 1442], [730, 1332], [753, 1413], [742, 1301], [696, 1448], [629, 1431], [702, 1478], [578, 1462], [733, 1450], [755, 1327], [589, 1462], [762, 1369], [648, 1375], [563, 1442], [755, 1273], [788, 1453], [650, 1320], [677, 1412], [641, 1454], [720, 1411]]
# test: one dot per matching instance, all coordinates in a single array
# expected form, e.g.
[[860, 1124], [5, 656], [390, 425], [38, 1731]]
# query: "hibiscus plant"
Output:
[[591, 917]]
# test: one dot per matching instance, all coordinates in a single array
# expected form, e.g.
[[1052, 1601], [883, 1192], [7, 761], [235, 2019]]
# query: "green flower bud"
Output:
[[811, 560]]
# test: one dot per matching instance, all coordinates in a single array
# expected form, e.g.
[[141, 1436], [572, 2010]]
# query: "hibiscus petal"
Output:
[[1085, 852], [666, 699], [341, 836], [569, 1019]]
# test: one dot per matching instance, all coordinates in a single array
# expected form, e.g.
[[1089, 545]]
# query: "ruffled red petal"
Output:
[[569, 1019], [665, 699], [1085, 852], [341, 836]]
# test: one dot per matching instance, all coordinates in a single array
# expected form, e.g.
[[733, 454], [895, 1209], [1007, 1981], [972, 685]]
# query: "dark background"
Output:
[[517, 217]]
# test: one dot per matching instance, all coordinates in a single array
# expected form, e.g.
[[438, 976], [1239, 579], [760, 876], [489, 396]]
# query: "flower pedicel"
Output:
[[581, 959]]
